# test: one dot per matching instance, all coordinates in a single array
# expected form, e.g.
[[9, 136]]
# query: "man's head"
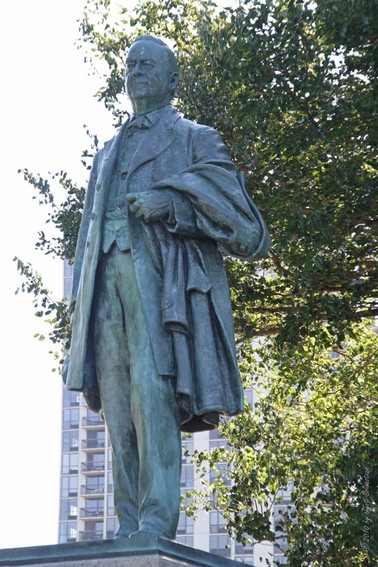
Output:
[[152, 74]]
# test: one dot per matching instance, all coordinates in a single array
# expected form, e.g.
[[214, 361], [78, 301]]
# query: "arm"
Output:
[[163, 203], [207, 200], [219, 207], [83, 230]]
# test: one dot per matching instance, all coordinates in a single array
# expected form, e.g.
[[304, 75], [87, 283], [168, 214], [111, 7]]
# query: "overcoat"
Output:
[[178, 264]]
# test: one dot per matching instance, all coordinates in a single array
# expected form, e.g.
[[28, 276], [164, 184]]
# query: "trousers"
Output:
[[139, 405]]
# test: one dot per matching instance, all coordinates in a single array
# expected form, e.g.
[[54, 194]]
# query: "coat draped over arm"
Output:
[[210, 209]]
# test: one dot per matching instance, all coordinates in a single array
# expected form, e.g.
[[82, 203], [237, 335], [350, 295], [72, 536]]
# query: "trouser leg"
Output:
[[113, 372], [154, 411], [144, 419]]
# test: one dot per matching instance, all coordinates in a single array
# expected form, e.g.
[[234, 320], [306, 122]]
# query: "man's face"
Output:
[[148, 79]]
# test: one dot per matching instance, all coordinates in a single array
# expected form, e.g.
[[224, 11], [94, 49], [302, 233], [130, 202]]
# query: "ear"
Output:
[[174, 81]]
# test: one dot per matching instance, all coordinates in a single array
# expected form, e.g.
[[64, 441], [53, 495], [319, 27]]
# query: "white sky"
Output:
[[45, 98]]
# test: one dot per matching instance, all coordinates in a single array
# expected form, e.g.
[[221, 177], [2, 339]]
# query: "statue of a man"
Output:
[[152, 329]]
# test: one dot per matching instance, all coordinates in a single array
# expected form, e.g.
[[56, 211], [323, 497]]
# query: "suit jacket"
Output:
[[178, 264]]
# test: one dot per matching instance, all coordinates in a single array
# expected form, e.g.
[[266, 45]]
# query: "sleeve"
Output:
[[83, 230], [208, 147], [209, 201]]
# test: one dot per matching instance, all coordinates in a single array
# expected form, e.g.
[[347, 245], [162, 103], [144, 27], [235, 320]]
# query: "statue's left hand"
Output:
[[150, 206]]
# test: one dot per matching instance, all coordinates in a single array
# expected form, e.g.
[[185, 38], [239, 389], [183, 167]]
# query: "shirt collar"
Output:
[[151, 116]]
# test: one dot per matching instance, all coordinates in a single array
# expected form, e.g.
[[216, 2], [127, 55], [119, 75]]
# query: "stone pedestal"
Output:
[[148, 551]]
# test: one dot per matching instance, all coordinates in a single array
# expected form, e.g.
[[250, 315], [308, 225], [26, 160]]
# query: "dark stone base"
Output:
[[146, 551]]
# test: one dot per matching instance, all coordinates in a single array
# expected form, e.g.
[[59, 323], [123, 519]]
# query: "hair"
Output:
[[169, 55]]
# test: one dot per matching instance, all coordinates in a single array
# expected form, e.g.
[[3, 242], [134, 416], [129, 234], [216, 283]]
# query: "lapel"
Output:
[[156, 141], [106, 169]]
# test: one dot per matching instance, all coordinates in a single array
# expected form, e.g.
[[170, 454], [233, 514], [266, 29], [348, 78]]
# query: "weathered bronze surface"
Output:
[[152, 329]]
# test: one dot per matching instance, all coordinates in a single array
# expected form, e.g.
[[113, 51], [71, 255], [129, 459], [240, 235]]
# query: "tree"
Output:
[[292, 88]]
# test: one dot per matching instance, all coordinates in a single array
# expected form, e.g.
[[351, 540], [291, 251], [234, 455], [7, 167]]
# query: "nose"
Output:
[[137, 69]]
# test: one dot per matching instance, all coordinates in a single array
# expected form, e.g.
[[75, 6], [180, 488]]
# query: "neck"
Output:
[[143, 106]]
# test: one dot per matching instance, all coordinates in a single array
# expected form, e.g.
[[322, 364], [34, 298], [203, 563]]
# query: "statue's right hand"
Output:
[[150, 206]]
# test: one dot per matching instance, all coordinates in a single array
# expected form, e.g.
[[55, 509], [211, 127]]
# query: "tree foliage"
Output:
[[292, 88]]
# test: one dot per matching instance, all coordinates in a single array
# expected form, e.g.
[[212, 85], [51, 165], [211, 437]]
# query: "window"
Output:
[[111, 528], [185, 525], [68, 486], [245, 559], [95, 462], [91, 418], [110, 481], [95, 439], [70, 398], [187, 447], [215, 434], [68, 269], [223, 470], [93, 531], [94, 485], [217, 523], [71, 418], [68, 509], [220, 545], [111, 510], [216, 440], [218, 444], [68, 532], [185, 540], [187, 476], [240, 550], [70, 441], [70, 463], [93, 508], [280, 560]]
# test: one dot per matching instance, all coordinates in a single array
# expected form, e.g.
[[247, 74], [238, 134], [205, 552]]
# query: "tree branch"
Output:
[[277, 262]]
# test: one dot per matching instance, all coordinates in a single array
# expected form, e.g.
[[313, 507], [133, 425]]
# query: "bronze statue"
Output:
[[152, 329]]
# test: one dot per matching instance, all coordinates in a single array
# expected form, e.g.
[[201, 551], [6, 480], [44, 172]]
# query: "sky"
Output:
[[46, 96]]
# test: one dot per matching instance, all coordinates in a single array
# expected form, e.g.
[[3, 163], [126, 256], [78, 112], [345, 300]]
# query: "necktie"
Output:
[[138, 123]]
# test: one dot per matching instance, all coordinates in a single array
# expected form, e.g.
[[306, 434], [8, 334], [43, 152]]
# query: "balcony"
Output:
[[94, 444], [90, 536], [92, 490], [87, 513], [89, 467], [95, 421]]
